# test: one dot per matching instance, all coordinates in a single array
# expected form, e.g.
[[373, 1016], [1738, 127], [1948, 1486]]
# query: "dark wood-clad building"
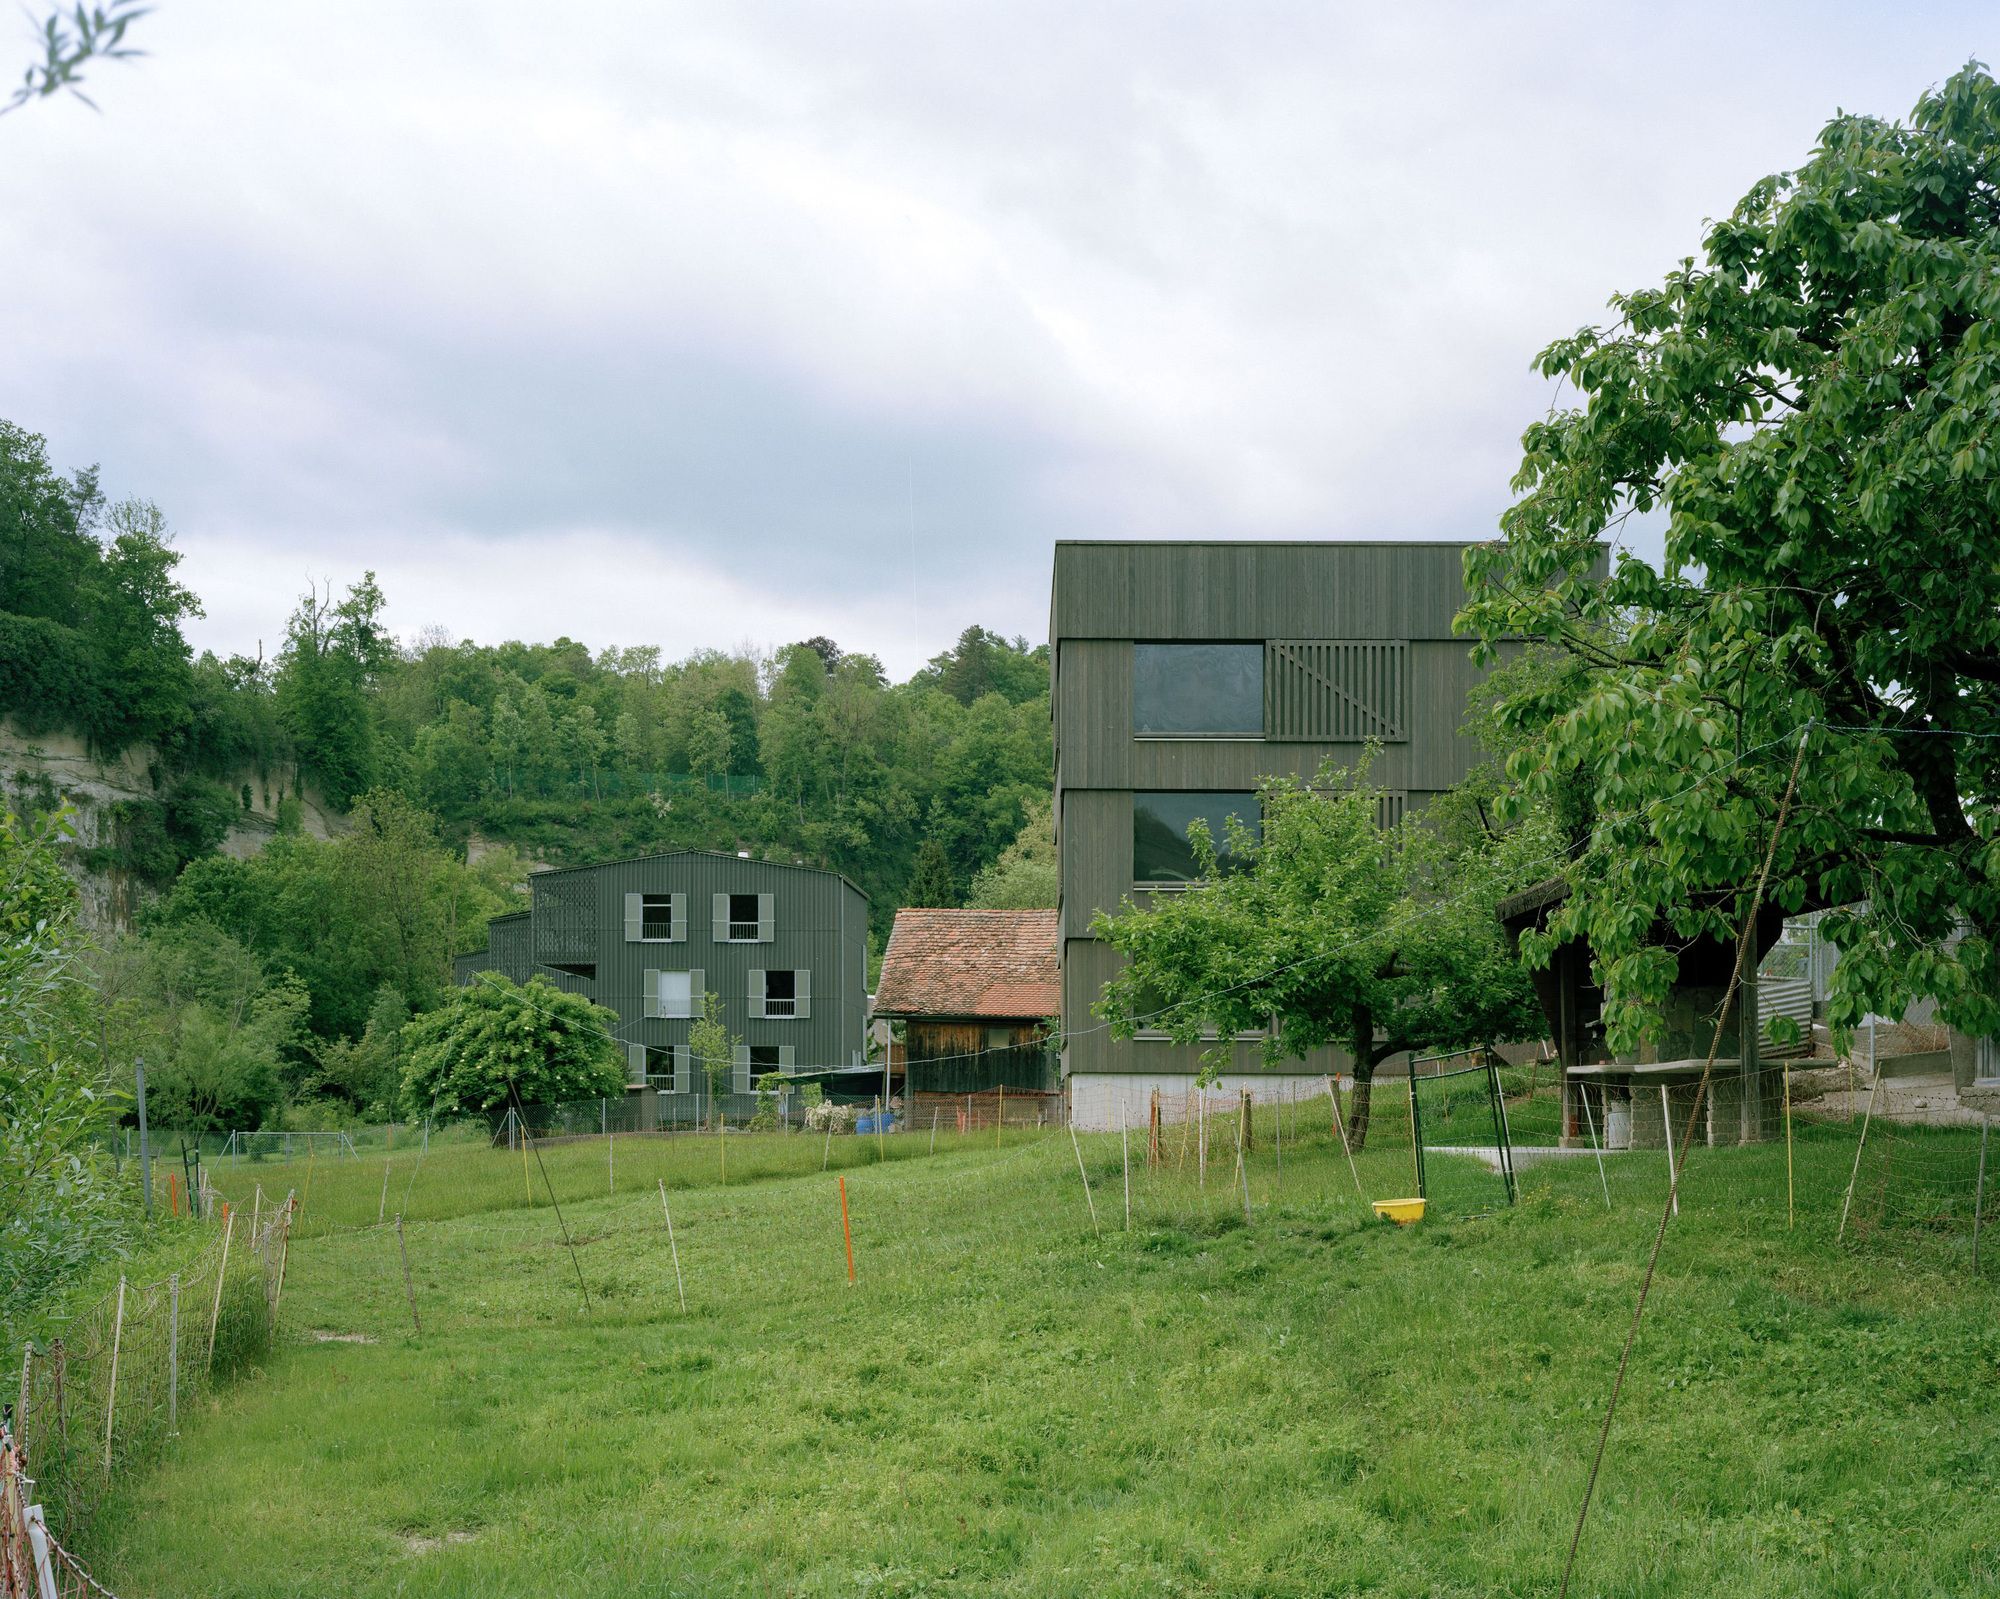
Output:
[[975, 991], [1182, 676]]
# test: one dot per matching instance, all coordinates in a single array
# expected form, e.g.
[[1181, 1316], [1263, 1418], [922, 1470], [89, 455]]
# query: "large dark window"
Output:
[[1198, 690], [1161, 852]]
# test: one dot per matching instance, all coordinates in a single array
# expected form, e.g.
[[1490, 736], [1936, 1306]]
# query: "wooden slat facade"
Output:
[[1359, 648]]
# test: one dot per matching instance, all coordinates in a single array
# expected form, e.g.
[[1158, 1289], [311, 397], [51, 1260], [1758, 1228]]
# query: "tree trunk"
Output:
[[1357, 1107]]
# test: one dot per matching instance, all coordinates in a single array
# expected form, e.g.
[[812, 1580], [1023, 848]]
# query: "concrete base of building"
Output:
[[1097, 1098]]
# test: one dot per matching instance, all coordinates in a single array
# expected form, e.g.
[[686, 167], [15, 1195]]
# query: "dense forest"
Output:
[[271, 985]]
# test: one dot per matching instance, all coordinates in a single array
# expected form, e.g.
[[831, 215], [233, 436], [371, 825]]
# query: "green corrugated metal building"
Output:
[[783, 948]]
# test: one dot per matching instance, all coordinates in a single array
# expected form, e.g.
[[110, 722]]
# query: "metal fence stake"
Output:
[[215, 1314], [173, 1352], [111, 1396]]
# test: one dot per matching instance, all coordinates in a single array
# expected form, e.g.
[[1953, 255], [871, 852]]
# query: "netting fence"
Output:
[[101, 1395]]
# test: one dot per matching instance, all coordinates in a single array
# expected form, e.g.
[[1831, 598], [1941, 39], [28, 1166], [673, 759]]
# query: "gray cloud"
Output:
[[729, 322]]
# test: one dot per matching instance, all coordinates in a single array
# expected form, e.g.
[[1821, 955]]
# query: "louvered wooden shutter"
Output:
[[697, 993], [683, 1057], [757, 991], [635, 918], [740, 1078], [649, 996], [767, 917], [1335, 691], [718, 913], [677, 918], [802, 985], [635, 1065]]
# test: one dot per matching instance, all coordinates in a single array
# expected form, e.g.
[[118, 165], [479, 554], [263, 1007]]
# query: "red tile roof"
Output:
[[970, 963]]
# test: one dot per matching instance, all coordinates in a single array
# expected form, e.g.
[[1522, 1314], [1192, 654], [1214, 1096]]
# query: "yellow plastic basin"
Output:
[[1400, 1211]]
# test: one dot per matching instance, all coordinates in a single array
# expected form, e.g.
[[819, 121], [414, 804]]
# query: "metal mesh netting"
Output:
[[1461, 1156], [110, 1387]]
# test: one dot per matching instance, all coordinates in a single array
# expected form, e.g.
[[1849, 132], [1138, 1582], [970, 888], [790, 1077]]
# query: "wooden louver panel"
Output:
[[1336, 691]]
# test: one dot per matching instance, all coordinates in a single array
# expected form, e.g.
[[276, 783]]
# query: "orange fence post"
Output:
[[846, 1231]]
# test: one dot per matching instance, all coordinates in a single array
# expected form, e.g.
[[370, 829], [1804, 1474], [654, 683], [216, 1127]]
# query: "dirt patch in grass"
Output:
[[426, 1543], [321, 1335]]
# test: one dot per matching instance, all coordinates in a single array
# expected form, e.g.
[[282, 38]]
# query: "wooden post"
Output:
[[1087, 1199], [409, 1288], [215, 1312], [1340, 1132], [1979, 1187], [1001, 1116], [173, 1352], [1673, 1177], [1590, 1126], [881, 1115], [1153, 1130], [111, 1396], [846, 1231], [256, 1212], [382, 1204], [1789, 1218], [1125, 1158], [527, 1188], [826, 1153], [934, 1122], [1243, 1176], [1201, 1137], [665, 1210], [611, 1162], [284, 1260], [1247, 1133]]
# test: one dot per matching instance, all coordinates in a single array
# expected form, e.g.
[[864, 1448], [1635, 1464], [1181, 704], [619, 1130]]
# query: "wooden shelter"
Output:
[[975, 991]]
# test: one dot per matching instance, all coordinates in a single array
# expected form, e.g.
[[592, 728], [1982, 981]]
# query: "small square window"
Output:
[[676, 994], [781, 994], [999, 1038], [656, 916], [765, 1058]]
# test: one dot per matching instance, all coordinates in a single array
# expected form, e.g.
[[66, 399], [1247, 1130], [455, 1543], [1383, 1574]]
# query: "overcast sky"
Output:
[[710, 324]]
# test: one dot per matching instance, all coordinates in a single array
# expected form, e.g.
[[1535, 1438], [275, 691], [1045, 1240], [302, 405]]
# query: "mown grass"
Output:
[[1006, 1403]]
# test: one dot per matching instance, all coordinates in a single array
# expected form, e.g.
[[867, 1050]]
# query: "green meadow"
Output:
[[1009, 1401]]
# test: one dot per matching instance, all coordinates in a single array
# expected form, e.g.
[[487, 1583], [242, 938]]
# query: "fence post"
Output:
[[1125, 1159], [382, 1204], [284, 1260], [215, 1314], [1153, 1130], [1247, 1134], [173, 1352], [1979, 1187], [679, 1287], [145, 1145], [409, 1289], [1087, 1199], [111, 1396], [21, 1410]]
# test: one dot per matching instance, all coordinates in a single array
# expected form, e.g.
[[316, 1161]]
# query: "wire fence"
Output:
[[101, 1396]]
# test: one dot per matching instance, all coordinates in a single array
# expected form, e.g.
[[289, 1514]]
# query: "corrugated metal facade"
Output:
[[1358, 646], [585, 935]]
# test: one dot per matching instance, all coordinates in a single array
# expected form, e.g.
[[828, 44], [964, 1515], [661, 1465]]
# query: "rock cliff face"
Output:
[[42, 768]]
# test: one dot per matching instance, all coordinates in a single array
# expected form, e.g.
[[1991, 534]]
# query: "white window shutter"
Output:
[[788, 1056], [635, 918], [697, 993], [650, 994], [802, 981], [677, 914], [767, 917], [718, 911], [635, 1065], [741, 1076], [682, 1079], [757, 991]]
